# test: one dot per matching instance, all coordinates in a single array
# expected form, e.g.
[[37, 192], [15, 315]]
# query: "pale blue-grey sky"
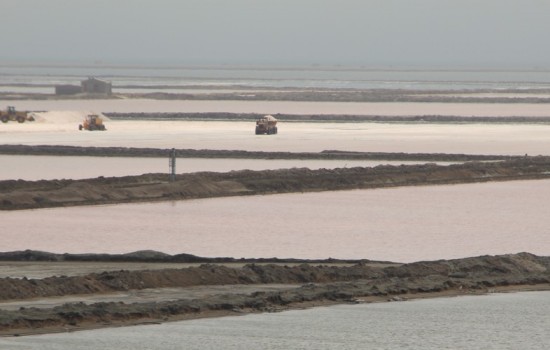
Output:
[[500, 33]]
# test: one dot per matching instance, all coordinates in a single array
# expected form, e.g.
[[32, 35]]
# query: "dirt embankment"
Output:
[[319, 284], [55, 150], [20, 194], [166, 92], [151, 256]]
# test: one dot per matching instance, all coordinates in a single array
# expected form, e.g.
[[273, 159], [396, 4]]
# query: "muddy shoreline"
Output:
[[316, 284]]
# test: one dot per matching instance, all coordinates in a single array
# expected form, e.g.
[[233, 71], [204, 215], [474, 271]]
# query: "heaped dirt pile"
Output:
[[19, 194]]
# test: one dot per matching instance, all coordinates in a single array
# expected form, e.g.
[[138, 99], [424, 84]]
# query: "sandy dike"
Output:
[[121, 298], [19, 194]]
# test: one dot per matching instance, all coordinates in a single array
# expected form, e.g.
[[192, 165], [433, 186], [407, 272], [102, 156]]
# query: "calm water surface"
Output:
[[275, 77], [399, 224], [283, 107], [69, 167], [498, 321]]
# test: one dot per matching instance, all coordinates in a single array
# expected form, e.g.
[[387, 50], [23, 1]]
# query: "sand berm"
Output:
[[307, 284], [20, 194]]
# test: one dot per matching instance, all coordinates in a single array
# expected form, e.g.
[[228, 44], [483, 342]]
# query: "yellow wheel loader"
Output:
[[266, 125], [10, 114], [92, 122]]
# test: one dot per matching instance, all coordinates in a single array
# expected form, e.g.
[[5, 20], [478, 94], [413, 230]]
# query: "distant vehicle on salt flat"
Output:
[[266, 125], [10, 114], [92, 122]]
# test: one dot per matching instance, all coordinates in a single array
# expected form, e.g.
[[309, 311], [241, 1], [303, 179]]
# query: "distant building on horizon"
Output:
[[67, 89], [88, 86], [96, 86]]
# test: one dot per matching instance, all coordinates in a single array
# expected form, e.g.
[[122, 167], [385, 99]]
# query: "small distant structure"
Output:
[[96, 86], [67, 89], [88, 86]]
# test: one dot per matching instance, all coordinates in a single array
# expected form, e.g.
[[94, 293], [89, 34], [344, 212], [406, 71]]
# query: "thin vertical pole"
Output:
[[172, 165]]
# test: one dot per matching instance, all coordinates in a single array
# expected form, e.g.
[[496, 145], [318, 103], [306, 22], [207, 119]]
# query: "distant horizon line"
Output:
[[279, 66]]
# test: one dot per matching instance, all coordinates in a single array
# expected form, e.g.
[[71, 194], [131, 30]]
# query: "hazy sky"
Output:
[[328, 32]]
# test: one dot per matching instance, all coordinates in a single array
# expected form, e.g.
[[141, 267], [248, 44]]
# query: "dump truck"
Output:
[[92, 122], [266, 125], [10, 114]]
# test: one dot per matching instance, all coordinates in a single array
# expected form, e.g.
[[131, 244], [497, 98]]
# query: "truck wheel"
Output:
[[20, 119], [4, 119], [79, 126]]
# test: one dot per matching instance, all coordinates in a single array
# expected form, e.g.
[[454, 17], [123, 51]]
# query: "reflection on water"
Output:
[[400, 224], [504, 321]]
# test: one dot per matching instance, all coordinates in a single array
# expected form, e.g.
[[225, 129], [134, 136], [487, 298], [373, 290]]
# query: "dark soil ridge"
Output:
[[151, 256], [310, 95], [20, 194], [225, 116], [320, 284], [510, 266], [55, 150], [340, 95]]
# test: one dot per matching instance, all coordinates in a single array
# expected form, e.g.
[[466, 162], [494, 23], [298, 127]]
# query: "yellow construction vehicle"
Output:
[[92, 122], [10, 114], [266, 125]]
